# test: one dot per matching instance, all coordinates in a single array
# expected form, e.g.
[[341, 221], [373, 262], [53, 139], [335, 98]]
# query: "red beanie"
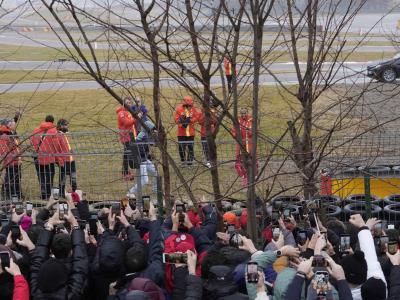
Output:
[[75, 197]]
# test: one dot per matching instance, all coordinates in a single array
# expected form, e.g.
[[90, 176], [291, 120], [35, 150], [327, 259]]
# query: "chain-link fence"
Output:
[[358, 166]]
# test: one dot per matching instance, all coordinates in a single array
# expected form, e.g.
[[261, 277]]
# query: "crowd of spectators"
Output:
[[69, 252]]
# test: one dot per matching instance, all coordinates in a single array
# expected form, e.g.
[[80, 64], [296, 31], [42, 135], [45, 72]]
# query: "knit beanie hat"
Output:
[[373, 289], [53, 275], [355, 268]]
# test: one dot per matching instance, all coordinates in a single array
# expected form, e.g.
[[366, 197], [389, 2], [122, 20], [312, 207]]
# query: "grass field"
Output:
[[11, 52], [94, 110]]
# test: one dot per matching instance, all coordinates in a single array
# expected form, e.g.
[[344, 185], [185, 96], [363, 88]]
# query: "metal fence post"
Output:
[[160, 198], [367, 191]]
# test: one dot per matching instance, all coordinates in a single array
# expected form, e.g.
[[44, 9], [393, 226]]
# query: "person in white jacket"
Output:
[[375, 287]]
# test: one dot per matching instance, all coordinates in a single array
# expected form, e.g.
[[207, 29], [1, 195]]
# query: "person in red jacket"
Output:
[[185, 116], [45, 145], [202, 122], [228, 72], [127, 133], [245, 124], [21, 287], [10, 159], [66, 159]]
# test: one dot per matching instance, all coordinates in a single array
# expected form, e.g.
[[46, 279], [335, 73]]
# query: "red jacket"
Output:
[[126, 124], [245, 131], [9, 151], [182, 111], [202, 121], [227, 66], [48, 147], [21, 288], [65, 153]]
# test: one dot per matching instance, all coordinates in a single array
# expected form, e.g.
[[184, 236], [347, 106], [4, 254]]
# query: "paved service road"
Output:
[[342, 76]]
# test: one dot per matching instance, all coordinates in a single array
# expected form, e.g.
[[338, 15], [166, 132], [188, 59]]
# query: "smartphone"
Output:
[[380, 227], [82, 224], [275, 233], [287, 214], [231, 229], [19, 208], [383, 240], [319, 261], [302, 237], [28, 208], [175, 258], [344, 245], [15, 233], [55, 192], [252, 272], [274, 215], [146, 203], [180, 208], [5, 259], [390, 226], [93, 224], [116, 208], [62, 210], [321, 279], [14, 199], [392, 247]]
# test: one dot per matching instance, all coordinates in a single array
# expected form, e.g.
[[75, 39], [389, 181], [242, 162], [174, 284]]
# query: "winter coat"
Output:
[[65, 151], [9, 151], [202, 121], [45, 143], [394, 291], [186, 118], [126, 125], [245, 125], [79, 272], [21, 288]]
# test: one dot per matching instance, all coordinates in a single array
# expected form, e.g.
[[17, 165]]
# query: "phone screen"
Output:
[[146, 203], [344, 243], [319, 261], [252, 272], [55, 192], [19, 208], [175, 258], [29, 207], [302, 237], [179, 208], [116, 208], [5, 259], [231, 229], [321, 279], [63, 210], [15, 232], [93, 225], [275, 233], [392, 247], [286, 213]]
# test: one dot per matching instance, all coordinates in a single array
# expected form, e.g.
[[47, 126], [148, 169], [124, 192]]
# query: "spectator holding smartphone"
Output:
[[21, 287], [49, 276]]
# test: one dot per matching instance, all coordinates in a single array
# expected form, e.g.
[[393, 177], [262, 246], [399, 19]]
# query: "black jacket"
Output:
[[394, 291], [79, 272]]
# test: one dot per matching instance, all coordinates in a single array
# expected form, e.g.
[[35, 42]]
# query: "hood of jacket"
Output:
[[45, 126], [111, 255], [119, 109]]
